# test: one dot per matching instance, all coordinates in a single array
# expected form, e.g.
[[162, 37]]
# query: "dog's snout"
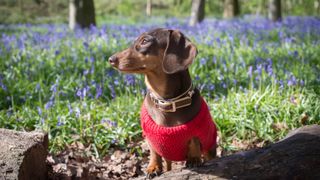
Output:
[[113, 60]]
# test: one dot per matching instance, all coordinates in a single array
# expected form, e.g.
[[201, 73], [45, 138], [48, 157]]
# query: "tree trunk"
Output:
[[295, 157], [81, 13], [149, 7], [274, 10], [231, 8], [197, 12], [23, 155]]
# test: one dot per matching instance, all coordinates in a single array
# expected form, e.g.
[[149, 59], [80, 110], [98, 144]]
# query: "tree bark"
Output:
[[81, 13], [23, 155], [231, 8], [149, 7], [275, 10], [295, 157], [197, 12]]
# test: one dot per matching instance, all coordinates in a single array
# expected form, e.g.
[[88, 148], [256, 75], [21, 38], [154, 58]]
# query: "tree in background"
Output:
[[274, 10], [231, 8], [197, 12], [81, 13], [149, 7]]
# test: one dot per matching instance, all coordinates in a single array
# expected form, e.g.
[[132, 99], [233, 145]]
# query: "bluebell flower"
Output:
[[293, 100], [3, 86], [84, 105], [39, 111], [259, 69], [79, 93], [214, 60], [85, 72], [59, 123], [269, 70], [224, 85], [281, 84], [235, 81], [113, 92], [77, 110], [292, 81], [92, 59], [203, 61], [49, 104], [57, 52], [301, 82], [70, 108], [211, 87], [85, 45], [92, 69], [53, 88], [130, 80], [98, 91], [250, 71], [116, 82]]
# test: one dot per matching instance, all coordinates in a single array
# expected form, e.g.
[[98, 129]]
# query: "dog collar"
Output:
[[171, 105]]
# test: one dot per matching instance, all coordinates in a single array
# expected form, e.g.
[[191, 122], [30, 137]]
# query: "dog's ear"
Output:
[[179, 53]]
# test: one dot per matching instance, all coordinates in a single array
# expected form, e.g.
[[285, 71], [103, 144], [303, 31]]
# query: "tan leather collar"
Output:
[[171, 105]]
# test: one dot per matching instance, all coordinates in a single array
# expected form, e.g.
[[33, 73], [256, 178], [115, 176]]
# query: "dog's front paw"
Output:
[[193, 162], [153, 171]]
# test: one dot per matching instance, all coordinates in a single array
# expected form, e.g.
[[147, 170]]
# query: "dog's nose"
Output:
[[113, 59]]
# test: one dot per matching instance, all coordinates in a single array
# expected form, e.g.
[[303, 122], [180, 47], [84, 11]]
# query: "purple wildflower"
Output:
[[98, 91], [39, 111], [281, 84], [302, 82], [113, 92], [77, 110], [38, 87], [79, 93], [250, 71], [85, 45], [57, 52], [85, 72], [203, 61], [59, 123], [259, 69], [130, 80], [293, 100], [92, 59], [70, 108], [214, 60], [211, 87], [53, 88], [49, 104], [224, 85], [292, 81]]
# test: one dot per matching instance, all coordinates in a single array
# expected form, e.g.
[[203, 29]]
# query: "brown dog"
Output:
[[172, 104]]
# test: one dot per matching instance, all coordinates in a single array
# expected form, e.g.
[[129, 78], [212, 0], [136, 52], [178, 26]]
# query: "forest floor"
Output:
[[76, 162]]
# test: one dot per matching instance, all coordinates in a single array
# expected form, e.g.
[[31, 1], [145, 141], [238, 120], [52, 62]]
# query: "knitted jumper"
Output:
[[172, 142]]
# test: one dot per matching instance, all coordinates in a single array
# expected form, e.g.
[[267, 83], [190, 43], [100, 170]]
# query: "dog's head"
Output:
[[157, 50]]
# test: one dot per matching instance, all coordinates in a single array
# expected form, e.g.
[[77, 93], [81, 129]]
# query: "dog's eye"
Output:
[[144, 42]]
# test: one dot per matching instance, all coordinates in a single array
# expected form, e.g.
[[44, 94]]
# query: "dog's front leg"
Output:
[[194, 153], [155, 164]]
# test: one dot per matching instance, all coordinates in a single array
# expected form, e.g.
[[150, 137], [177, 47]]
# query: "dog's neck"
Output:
[[168, 86]]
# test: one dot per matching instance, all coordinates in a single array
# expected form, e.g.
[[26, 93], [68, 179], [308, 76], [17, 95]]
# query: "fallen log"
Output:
[[295, 157], [23, 155]]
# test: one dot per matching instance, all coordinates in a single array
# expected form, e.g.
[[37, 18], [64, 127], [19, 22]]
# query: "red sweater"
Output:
[[172, 142]]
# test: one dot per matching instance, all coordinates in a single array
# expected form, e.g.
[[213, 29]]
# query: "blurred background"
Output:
[[128, 11]]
